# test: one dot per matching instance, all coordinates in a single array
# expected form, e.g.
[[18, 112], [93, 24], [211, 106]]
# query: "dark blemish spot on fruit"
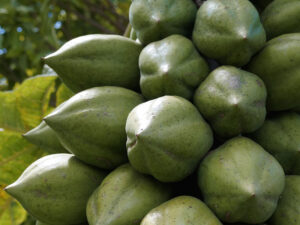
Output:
[[259, 83]]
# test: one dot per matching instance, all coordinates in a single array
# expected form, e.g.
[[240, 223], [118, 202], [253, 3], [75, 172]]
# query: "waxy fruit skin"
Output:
[[241, 182], [182, 210], [154, 20], [281, 17], [97, 60], [55, 189], [166, 138], [228, 31], [124, 197], [171, 66], [91, 124], [45, 138], [288, 209], [278, 65], [232, 100], [280, 136]]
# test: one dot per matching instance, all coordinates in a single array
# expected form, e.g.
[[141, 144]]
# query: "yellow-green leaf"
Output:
[[24, 108], [20, 110], [11, 212], [63, 93]]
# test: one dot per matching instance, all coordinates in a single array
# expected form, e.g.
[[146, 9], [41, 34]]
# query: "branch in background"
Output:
[[114, 12], [92, 7], [85, 18], [10, 75], [92, 22], [127, 31]]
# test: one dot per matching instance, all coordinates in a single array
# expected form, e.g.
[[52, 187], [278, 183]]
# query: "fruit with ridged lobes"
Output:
[[124, 198], [281, 17], [280, 72], [228, 31], [241, 182], [45, 138], [288, 209], [55, 189], [182, 210], [154, 20], [232, 100], [97, 60], [171, 66], [166, 138], [280, 136], [91, 124]]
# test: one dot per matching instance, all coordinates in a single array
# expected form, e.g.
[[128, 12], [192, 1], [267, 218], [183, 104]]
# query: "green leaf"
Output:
[[20, 111], [11, 212], [63, 93], [24, 108], [15, 155]]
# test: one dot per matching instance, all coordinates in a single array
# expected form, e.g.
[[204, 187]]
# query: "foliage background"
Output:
[[29, 30]]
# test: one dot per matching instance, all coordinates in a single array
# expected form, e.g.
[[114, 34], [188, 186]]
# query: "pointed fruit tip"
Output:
[[27, 135], [10, 189], [49, 120]]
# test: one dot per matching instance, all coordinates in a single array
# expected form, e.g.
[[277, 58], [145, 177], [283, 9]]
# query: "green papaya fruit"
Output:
[[55, 189], [228, 31], [154, 20], [182, 210], [45, 138], [171, 66], [91, 124], [241, 182], [166, 138], [232, 100], [280, 136], [97, 60], [124, 198], [280, 72], [41, 223], [288, 209], [63, 93], [281, 17]]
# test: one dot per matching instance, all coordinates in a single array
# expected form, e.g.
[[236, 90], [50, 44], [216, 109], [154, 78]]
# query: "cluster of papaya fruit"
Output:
[[202, 100]]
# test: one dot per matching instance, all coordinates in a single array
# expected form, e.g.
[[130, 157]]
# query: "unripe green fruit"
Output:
[[228, 31], [281, 17], [171, 66], [45, 138], [241, 182], [166, 138], [124, 198], [91, 124], [232, 100], [97, 60], [288, 209], [41, 223], [280, 72], [280, 136], [182, 210], [154, 20], [55, 189]]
